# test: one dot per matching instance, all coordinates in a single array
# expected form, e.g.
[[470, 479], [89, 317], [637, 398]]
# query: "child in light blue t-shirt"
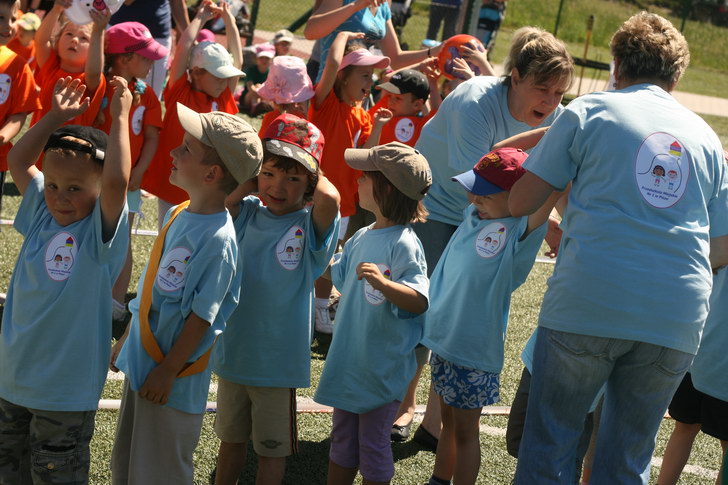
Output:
[[382, 276], [187, 291], [265, 352], [56, 332], [488, 257]]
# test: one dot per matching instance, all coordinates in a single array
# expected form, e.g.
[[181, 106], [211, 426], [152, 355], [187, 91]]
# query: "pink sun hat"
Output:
[[129, 37], [362, 57], [287, 81]]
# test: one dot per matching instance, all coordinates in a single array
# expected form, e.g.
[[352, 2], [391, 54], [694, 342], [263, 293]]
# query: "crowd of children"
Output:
[[249, 219]]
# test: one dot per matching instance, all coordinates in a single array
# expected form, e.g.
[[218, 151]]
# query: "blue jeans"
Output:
[[568, 371]]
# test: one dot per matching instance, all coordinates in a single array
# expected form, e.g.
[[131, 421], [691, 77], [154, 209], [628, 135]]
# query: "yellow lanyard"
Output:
[[148, 341]]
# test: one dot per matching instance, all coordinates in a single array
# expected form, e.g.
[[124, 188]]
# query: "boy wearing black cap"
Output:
[[405, 95], [54, 344]]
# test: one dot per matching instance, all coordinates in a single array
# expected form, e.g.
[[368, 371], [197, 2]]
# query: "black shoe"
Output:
[[425, 439], [401, 434]]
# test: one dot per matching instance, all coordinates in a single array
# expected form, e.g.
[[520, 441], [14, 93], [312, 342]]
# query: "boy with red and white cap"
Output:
[[491, 253], [130, 52], [264, 354], [204, 84]]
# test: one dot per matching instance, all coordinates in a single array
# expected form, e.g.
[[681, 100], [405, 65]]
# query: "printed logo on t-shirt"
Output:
[[490, 240], [5, 85], [173, 268], [376, 297], [404, 130], [289, 249], [662, 168], [214, 106], [60, 256], [137, 120]]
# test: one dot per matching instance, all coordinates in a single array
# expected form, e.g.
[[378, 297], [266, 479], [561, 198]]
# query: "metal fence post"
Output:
[[253, 22]]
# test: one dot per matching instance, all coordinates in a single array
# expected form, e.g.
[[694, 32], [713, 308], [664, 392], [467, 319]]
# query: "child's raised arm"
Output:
[[326, 201], [207, 11], [400, 295], [524, 141], [43, 45], [381, 118], [158, 384], [95, 60], [234, 47], [333, 61], [68, 102], [117, 164], [232, 201]]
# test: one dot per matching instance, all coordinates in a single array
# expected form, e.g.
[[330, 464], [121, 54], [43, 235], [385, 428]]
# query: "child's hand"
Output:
[[121, 98], [553, 237], [100, 18], [460, 66], [352, 35], [208, 11], [63, 3], [371, 273], [431, 69], [68, 99], [158, 385], [226, 12], [473, 55], [382, 116]]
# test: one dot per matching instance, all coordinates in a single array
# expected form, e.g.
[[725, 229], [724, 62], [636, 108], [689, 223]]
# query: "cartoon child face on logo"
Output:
[[60, 256], [172, 269], [490, 240], [5, 85], [289, 249]]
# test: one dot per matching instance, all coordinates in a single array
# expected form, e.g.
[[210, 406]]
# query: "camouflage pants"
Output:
[[44, 447]]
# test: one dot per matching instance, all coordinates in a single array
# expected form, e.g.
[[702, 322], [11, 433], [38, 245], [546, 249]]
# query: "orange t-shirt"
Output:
[[343, 127], [156, 178], [28, 52], [404, 129], [46, 77], [147, 113], [18, 93]]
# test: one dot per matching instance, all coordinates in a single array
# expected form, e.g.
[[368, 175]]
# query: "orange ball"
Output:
[[452, 50]]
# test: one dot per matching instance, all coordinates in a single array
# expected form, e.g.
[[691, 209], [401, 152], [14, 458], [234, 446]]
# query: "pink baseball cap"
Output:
[[362, 57], [129, 37], [205, 35], [287, 81], [265, 50]]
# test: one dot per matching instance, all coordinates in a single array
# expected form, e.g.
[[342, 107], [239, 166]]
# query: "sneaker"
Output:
[[323, 321]]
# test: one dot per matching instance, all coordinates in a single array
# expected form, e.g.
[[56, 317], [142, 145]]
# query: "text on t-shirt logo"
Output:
[[490, 240], [662, 168]]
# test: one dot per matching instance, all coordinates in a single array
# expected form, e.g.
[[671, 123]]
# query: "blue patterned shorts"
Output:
[[463, 387]]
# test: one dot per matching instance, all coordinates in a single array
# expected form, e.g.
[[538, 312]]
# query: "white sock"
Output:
[[118, 310]]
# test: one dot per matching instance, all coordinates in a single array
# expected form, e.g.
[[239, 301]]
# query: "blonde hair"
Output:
[[535, 52], [61, 26], [649, 46]]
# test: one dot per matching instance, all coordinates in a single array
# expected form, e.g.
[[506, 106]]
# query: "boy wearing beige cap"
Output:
[[186, 293], [23, 43], [382, 276]]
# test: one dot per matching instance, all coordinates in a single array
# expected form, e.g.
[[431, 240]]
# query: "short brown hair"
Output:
[[70, 153], [393, 204], [228, 182], [538, 53], [650, 47], [286, 163]]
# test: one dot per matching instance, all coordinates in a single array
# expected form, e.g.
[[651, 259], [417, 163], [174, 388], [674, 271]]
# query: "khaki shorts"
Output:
[[267, 415]]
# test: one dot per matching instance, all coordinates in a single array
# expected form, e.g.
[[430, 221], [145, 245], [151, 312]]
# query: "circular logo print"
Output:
[[5, 85], [289, 249], [172, 269], [137, 120], [662, 168], [404, 130], [60, 256], [375, 297], [490, 240], [214, 106]]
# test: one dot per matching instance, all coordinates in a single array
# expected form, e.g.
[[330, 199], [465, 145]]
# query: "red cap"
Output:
[[293, 137], [129, 37]]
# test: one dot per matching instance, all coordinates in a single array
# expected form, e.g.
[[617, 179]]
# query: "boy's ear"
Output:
[[419, 103], [214, 174]]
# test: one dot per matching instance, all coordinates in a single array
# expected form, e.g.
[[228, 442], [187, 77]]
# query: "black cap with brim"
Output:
[[408, 81], [96, 138]]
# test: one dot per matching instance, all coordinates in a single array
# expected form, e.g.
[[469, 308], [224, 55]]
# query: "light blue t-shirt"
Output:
[[710, 367], [471, 287], [197, 274], [371, 25], [55, 338], [371, 359], [267, 340], [649, 190], [468, 123]]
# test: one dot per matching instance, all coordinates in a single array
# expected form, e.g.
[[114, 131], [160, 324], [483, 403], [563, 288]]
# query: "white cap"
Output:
[[213, 58]]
